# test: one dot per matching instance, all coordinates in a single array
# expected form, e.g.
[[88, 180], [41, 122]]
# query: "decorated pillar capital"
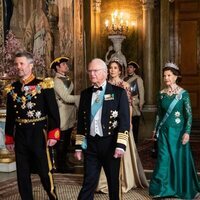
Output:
[[97, 6], [148, 4]]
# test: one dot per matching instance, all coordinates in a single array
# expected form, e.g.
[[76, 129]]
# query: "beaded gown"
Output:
[[132, 172], [175, 174]]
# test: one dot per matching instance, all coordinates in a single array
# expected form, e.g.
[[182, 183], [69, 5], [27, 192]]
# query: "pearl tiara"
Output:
[[172, 65]]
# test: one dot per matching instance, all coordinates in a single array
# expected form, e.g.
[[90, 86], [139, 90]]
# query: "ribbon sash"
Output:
[[97, 105], [171, 107]]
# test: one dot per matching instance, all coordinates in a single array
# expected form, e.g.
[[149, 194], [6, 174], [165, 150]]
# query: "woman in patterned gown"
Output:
[[132, 173], [175, 174]]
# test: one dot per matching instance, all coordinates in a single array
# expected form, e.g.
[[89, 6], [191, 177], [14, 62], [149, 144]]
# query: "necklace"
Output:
[[172, 91]]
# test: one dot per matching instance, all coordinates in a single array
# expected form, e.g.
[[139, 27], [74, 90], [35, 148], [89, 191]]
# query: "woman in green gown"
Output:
[[175, 174]]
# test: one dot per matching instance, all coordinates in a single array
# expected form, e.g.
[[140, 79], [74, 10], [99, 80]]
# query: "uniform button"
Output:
[[17, 112], [15, 106], [20, 124], [109, 127], [109, 133]]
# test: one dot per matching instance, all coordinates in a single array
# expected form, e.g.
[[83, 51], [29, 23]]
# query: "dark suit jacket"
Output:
[[115, 109]]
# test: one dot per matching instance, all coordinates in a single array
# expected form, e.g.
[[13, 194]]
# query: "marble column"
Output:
[[79, 50], [95, 27], [149, 109], [149, 54], [164, 34]]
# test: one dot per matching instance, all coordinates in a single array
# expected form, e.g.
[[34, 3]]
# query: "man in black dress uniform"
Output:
[[102, 131], [31, 104]]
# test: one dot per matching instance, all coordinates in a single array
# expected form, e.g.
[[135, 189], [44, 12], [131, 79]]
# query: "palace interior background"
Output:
[[162, 30]]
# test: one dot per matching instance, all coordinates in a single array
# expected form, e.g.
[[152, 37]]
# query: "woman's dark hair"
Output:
[[176, 72]]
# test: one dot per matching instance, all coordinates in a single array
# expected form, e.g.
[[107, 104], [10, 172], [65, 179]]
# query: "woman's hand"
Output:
[[185, 138], [153, 135]]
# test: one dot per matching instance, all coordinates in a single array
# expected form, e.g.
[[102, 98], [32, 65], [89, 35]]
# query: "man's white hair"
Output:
[[100, 63]]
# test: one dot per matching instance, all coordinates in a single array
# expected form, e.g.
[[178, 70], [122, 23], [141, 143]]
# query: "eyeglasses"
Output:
[[95, 71]]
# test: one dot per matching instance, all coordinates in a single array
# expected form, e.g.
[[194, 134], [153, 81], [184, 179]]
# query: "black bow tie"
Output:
[[94, 89]]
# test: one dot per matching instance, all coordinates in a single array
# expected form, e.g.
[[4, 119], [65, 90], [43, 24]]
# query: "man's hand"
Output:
[[118, 153], [51, 142], [78, 155], [10, 147]]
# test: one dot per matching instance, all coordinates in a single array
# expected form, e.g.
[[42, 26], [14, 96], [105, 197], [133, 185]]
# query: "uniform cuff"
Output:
[[9, 139], [122, 140], [54, 134]]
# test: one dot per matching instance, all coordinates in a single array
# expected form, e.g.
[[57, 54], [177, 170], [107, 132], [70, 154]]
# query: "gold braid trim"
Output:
[[122, 138], [26, 121], [47, 83], [79, 139], [8, 88]]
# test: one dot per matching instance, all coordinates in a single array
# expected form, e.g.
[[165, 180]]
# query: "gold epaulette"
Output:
[[8, 88], [47, 83]]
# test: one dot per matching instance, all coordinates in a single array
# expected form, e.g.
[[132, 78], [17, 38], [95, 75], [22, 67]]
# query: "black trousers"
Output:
[[135, 127], [32, 156], [99, 153], [62, 148]]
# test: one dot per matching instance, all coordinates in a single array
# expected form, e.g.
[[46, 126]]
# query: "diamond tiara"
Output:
[[115, 59], [172, 65]]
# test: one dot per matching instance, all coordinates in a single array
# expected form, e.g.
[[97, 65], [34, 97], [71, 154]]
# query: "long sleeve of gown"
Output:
[[187, 112]]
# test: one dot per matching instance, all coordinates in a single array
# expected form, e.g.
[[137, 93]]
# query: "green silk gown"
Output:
[[175, 174]]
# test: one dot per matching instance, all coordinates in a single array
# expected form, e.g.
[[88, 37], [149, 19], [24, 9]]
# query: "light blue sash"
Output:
[[97, 105], [171, 107]]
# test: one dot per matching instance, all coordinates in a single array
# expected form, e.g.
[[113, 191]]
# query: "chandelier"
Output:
[[119, 24]]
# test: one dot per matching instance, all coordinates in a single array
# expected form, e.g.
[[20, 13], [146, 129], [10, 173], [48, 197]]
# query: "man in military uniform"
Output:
[[137, 93], [67, 104], [32, 124], [102, 131]]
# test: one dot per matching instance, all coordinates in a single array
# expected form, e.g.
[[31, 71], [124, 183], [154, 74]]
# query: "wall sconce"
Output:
[[119, 24]]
